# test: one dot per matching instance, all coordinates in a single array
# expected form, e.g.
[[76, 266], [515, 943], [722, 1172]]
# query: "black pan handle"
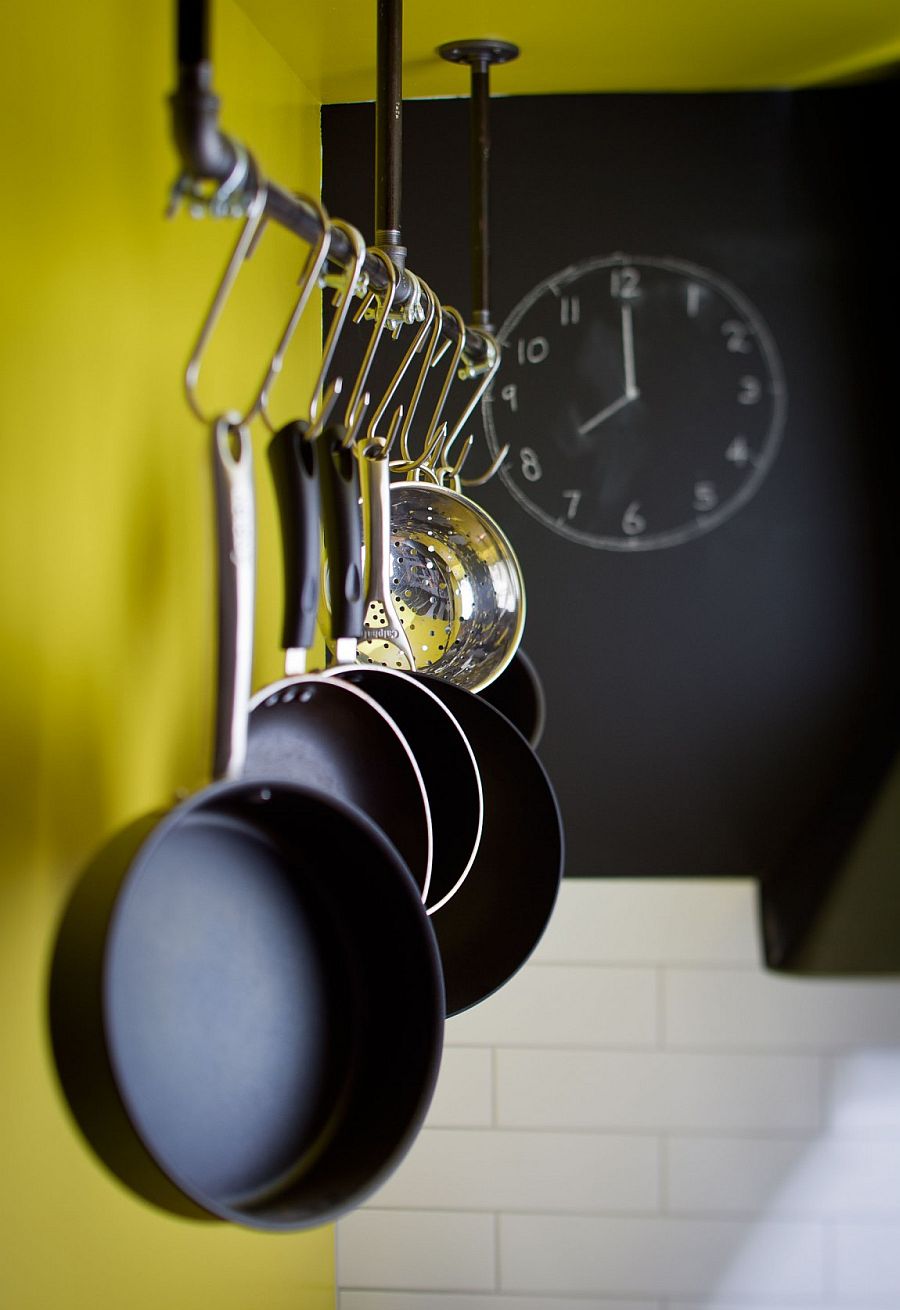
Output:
[[341, 519], [292, 459], [232, 456]]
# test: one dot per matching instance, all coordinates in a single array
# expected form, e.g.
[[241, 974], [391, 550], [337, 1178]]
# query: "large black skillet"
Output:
[[246, 1001]]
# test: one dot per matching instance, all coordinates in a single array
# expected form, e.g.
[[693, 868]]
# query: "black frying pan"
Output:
[[310, 729], [490, 927], [246, 1002]]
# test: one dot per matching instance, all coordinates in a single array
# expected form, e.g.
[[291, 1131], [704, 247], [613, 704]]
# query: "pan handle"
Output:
[[292, 459], [232, 455], [339, 475]]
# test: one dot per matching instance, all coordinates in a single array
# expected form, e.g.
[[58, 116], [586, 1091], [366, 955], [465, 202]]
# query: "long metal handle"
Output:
[[375, 476], [232, 457], [376, 498]]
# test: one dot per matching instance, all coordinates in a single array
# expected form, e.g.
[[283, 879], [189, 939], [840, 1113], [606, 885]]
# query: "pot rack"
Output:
[[222, 177]]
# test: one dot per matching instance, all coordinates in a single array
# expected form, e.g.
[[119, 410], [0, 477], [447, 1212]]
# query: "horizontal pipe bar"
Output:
[[207, 154]]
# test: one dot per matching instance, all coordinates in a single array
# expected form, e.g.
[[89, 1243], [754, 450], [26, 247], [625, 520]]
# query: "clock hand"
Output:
[[631, 390], [591, 423]]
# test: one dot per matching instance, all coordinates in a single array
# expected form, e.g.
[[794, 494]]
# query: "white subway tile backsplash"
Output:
[[416, 1249], [768, 1304], [517, 1171], [564, 1006], [463, 1097], [867, 1260], [499, 1301], [656, 1090], [647, 920], [644, 1119], [741, 1009], [862, 1091], [660, 1256], [811, 1177]]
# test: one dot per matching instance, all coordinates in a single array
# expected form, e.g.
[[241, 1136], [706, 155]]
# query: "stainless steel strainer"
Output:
[[456, 584]]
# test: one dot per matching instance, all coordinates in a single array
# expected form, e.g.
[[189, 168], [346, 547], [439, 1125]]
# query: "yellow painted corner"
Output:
[[106, 652]]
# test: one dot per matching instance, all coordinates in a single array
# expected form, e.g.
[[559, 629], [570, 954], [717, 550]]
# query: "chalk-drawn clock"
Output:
[[643, 400]]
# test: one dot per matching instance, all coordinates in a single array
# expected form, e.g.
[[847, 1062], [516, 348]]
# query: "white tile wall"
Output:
[[645, 1119]]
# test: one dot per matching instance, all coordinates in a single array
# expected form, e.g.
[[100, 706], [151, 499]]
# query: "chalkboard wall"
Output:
[[707, 702]]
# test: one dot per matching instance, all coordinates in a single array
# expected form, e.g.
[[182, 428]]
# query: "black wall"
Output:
[[712, 704]]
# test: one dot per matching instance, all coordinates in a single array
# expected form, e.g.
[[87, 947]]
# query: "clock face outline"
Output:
[[643, 399]]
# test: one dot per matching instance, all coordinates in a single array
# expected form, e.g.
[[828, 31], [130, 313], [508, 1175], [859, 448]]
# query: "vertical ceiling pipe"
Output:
[[205, 151], [479, 55], [389, 130]]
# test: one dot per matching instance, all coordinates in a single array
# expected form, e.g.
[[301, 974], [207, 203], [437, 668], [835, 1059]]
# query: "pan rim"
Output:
[[347, 670]]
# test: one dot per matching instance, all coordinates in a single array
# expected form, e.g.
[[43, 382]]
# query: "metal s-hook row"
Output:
[[433, 451], [434, 460], [378, 307], [307, 281], [347, 283]]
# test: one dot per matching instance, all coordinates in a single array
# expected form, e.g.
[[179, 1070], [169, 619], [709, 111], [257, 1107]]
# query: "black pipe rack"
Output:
[[209, 156]]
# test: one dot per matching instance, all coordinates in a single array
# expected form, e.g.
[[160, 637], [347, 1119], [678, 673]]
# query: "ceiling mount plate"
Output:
[[481, 50]]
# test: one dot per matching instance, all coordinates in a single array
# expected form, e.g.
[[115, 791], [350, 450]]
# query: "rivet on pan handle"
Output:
[[232, 455]]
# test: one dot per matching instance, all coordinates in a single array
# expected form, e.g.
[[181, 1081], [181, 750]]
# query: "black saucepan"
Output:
[[246, 1002]]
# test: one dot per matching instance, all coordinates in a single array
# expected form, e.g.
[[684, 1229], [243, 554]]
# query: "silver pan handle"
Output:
[[232, 455]]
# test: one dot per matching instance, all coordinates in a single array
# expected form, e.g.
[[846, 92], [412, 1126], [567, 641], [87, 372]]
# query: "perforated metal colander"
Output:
[[456, 584]]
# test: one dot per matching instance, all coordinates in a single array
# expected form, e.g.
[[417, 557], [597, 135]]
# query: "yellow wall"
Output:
[[106, 604]]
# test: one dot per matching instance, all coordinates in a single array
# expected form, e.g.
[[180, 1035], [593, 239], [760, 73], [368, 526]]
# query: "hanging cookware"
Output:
[[370, 630], [455, 579], [306, 726], [246, 999], [441, 748], [457, 584], [491, 924]]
